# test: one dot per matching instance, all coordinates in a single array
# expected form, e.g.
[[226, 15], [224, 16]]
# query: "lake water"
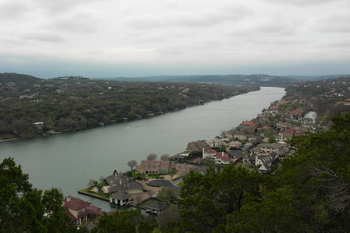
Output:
[[68, 161]]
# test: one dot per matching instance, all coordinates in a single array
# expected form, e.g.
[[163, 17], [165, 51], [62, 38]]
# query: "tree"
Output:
[[166, 195], [207, 199], [151, 157], [272, 139], [164, 157], [320, 177], [172, 173], [92, 182], [124, 221], [22, 208], [171, 214], [132, 164]]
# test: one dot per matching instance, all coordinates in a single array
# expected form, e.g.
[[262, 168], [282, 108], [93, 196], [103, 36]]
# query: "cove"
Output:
[[68, 161]]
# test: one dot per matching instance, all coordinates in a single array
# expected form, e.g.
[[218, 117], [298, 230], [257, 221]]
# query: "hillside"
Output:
[[232, 79], [32, 106]]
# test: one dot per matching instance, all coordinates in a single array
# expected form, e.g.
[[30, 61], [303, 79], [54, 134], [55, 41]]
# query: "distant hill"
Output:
[[231, 79], [17, 78], [317, 78]]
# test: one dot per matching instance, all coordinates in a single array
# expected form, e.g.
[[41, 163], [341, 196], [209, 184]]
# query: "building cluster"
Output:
[[260, 141]]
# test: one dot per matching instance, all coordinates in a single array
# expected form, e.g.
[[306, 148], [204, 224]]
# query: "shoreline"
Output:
[[8, 140], [120, 122]]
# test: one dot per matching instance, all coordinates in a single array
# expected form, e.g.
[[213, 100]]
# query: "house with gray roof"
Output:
[[265, 161], [120, 198], [216, 143], [118, 182], [196, 146], [155, 207]]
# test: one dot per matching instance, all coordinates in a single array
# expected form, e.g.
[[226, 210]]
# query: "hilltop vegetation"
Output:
[[75, 103], [326, 97], [230, 79]]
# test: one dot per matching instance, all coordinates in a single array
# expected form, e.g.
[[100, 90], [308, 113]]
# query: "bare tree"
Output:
[[172, 173], [164, 157], [162, 171], [223, 133], [101, 179], [137, 199], [132, 164], [92, 182], [166, 195], [151, 157], [150, 192]]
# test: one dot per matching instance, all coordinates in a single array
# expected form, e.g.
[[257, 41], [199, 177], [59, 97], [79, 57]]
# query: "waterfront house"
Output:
[[161, 167], [240, 136], [178, 157], [198, 161], [120, 198], [246, 128], [252, 124], [153, 167], [155, 207], [118, 182], [80, 211], [196, 146], [208, 153], [235, 145], [216, 143]]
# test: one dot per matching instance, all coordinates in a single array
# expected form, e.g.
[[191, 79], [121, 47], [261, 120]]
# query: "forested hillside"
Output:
[[32, 106], [326, 97]]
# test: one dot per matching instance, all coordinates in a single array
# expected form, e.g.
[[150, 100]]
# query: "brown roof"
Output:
[[154, 165], [75, 203]]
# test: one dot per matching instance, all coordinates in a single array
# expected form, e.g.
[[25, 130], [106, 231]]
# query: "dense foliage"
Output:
[[24, 209], [327, 97], [74, 103]]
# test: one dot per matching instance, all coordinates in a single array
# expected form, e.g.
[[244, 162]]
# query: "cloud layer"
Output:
[[135, 37]]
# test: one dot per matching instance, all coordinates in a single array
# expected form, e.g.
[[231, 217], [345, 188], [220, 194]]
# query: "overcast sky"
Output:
[[112, 38]]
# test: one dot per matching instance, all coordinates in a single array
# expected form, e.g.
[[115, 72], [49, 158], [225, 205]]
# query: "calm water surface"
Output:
[[68, 161]]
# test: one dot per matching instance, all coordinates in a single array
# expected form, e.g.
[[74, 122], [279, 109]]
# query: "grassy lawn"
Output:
[[87, 190], [5, 136], [208, 162]]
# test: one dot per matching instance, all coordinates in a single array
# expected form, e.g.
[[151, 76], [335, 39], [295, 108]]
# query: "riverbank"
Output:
[[8, 140], [88, 154]]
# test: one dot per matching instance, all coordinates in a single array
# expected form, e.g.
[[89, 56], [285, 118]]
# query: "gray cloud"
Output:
[[12, 9], [334, 23], [45, 36], [79, 22], [202, 18], [172, 33], [302, 2]]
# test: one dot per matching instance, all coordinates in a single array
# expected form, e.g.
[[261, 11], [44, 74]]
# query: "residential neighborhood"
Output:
[[261, 142]]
